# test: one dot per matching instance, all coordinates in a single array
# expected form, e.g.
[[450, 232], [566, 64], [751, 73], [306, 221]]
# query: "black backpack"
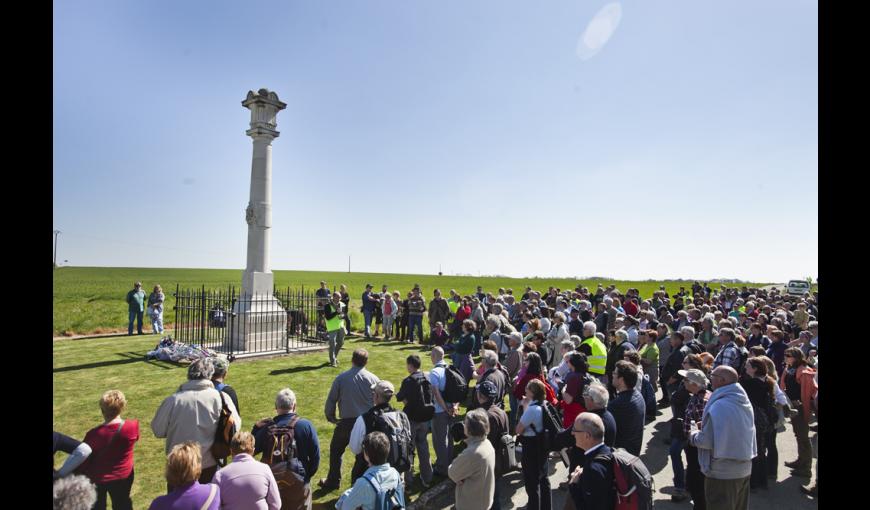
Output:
[[506, 455], [421, 405], [455, 386], [552, 427], [396, 426]]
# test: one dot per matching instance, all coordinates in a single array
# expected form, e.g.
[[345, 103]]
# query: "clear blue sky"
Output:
[[658, 139]]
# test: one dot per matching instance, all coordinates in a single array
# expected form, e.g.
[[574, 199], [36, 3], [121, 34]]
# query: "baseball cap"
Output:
[[384, 388], [694, 375], [488, 389]]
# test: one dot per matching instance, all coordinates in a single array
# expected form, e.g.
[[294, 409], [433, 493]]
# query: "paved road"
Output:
[[783, 495]]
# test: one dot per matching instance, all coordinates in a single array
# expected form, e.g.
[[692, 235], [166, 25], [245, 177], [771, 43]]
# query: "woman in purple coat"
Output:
[[183, 467]]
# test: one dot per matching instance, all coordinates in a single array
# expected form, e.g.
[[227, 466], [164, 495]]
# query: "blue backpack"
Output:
[[387, 499]]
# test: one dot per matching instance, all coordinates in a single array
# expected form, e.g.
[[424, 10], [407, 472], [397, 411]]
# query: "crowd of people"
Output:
[[732, 365]]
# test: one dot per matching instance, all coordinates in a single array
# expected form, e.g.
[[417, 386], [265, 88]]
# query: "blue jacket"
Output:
[[307, 444], [628, 410], [594, 490]]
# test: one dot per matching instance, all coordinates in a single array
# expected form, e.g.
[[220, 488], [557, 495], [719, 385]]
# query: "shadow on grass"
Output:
[[129, 357], [294, 370]]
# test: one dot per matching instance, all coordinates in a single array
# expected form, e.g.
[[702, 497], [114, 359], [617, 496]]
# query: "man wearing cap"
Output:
[[382, 393], [135, 307], [725, 442], [369, 303], [351, 392], [335, 312], [696, 384]]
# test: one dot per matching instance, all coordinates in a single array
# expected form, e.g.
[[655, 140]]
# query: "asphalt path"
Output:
[[783, 494]]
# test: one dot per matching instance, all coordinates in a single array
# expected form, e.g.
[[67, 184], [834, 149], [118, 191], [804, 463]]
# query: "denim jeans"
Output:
[[367, 315], [441, 442], [157, 323], [676, 453], [138, 316], [388, 326], [415, 321]]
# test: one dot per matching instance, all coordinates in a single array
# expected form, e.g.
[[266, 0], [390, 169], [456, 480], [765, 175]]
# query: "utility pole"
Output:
[[54, 259], [348, 263]]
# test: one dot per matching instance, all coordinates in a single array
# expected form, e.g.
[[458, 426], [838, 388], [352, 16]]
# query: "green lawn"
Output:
[[84, 369], [91, 299]]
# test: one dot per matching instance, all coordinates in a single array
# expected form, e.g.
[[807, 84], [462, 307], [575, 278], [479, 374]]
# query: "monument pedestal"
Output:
[[258, 323]]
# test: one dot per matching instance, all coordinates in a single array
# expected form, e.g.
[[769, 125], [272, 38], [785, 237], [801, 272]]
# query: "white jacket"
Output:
[[395, 308], [191, 414]]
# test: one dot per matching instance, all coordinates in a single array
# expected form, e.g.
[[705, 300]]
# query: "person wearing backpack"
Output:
[[380, 486], [382, 417], [591, 484], [301, 451], [535, 456], [416, 394], [473, 470], [192, 414], [444, 412]]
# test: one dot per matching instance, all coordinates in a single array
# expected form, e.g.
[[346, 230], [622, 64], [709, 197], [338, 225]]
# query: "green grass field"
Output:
[[91, 299], [84, 369]]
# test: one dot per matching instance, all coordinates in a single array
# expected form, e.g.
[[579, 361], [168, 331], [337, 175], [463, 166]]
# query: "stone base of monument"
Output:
[[257, 324]]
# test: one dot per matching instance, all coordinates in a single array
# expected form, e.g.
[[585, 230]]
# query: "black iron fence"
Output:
[[236, 323]]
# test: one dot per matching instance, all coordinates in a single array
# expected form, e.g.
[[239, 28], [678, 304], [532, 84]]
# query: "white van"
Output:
[[797, 287]]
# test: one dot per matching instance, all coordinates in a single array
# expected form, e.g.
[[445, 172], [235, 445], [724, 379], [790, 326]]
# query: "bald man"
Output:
[[591, 485], [726, 442]]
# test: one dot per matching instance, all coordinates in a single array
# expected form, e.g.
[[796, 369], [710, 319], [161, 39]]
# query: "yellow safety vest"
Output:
[[335, 323], [453, 305], [598, 360]]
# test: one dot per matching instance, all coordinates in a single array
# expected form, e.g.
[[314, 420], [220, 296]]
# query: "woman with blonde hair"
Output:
[[183, 467], [110, 466], [155, 309]]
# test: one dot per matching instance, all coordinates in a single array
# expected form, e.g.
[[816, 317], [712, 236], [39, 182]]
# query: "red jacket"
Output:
[[462, 313], [520, 388], [806, 377]]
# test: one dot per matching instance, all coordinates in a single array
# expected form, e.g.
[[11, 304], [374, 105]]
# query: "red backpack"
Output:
[[632, 481]]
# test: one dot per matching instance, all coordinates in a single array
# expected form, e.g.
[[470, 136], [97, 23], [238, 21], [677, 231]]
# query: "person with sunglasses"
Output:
[[591, 484]]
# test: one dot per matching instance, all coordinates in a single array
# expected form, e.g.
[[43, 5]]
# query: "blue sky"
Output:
[[483, 136]]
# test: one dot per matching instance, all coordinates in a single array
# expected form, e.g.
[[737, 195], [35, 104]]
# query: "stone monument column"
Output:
[[259, 320], [264, 105]]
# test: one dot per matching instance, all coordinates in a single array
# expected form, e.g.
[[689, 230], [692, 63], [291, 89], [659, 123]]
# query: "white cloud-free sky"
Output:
[[626, 139]]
